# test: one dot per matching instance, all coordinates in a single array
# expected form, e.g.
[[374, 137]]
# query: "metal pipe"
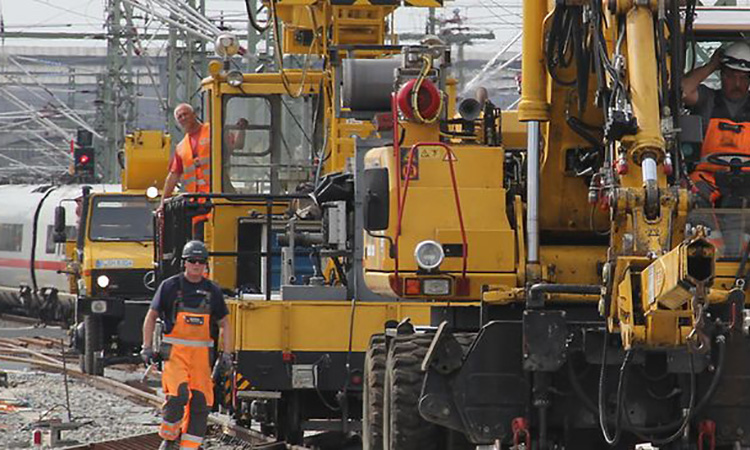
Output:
[[535, 297], [648, 167], [532, 192]]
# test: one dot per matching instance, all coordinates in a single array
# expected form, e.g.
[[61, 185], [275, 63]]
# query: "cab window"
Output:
[[247, 144], [121, 218]]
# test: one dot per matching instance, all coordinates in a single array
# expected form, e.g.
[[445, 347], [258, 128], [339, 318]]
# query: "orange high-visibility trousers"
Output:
[[186, 379]]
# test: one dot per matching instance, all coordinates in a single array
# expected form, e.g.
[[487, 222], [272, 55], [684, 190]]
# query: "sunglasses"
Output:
[[196, 261]]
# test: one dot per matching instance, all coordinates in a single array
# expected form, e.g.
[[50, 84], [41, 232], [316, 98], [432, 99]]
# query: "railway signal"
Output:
[[83, 153]]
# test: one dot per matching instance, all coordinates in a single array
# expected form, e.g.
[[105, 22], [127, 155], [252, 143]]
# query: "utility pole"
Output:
[[186, 66], [117, 99]]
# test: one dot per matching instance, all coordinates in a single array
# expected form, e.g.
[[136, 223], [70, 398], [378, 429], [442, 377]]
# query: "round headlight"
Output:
[[234, 78], [152, 192], [226, 45], [102, 281], [429, 255]]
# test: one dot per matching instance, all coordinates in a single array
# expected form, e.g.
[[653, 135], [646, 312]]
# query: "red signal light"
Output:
[[84, 159]]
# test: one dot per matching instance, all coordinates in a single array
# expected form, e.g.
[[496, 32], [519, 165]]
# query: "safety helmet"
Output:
[[196, 250], [737, 57]]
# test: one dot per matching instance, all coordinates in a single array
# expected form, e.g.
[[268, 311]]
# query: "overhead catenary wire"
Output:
[[62, 106], [206, 35], [39, 118], [490, 64]]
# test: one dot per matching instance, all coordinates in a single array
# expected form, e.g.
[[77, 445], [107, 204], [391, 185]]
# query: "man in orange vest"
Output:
[[188, 305], [726, 116], [192, 157]]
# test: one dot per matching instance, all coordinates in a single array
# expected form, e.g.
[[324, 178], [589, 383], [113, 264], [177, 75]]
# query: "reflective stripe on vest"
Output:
[[196, 165]]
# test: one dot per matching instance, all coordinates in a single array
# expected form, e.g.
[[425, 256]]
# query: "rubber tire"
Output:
[[92, 344], [372, 395], [403, 426]]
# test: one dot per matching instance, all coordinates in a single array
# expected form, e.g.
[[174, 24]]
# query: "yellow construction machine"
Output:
[[612, 311], [284, 217]]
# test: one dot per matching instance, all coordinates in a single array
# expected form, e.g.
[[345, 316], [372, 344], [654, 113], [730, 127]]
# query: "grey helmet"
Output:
[[196, 250]]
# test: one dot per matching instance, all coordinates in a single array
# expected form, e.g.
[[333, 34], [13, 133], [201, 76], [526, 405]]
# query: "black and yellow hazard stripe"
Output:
[[241, 384]]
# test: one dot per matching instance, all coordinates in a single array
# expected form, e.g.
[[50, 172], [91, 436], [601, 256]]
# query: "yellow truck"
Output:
[[110, 263]]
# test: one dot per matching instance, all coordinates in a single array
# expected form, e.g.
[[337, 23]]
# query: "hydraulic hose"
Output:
[[612, 440]]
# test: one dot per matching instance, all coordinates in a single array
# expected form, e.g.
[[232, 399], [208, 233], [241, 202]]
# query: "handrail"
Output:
[[402, 199]]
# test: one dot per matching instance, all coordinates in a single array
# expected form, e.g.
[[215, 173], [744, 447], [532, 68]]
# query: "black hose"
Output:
[[612, 440], [642, 431], [565, 31], [253, 21]]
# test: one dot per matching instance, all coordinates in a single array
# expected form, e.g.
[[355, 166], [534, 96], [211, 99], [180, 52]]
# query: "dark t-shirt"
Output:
[[704, 107], [192, 295]]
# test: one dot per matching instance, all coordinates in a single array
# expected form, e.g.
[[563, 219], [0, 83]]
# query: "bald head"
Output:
[[185, 117]]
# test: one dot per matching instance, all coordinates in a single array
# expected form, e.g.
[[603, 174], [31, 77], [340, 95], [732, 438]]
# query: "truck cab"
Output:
[[111, 260]]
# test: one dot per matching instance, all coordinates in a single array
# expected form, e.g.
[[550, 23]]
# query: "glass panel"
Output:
[[296, 141], [267, 140], [11, 237], [121, 218], [729, 229], [50, 246], [246, 145]]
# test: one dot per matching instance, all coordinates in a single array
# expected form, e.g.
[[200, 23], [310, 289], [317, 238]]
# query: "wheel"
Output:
[[403, 426], [372, 396], [93, 344]]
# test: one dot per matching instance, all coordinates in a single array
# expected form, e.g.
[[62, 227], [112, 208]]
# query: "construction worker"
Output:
[[188, 305], [725, 112], [192, 158]]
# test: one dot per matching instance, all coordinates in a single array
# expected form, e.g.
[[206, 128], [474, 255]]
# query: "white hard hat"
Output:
[[737, 57]]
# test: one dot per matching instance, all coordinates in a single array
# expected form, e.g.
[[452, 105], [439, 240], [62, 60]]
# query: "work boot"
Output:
[[169, 445]]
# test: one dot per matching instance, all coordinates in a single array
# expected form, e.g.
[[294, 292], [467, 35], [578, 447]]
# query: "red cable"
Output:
[[397, 155]]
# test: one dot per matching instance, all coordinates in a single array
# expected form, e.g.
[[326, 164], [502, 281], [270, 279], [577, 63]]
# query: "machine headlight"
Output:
[[226, 45], [436, 286], [429, 255], [102, 281], [152, 192], [98, 306], [234, 78]]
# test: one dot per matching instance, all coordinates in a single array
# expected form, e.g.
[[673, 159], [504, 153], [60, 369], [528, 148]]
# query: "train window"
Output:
[[121, 218], [50, 246], [11, 237], [247, 144]]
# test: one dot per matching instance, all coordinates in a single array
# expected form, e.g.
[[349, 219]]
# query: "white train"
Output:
[[32, 280]]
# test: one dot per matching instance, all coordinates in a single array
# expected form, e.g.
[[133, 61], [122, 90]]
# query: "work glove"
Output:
[[148, 356], [225, 361], [222, 365]]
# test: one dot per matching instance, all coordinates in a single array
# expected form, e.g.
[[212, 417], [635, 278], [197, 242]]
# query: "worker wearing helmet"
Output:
[[188, 304], [725, 112]]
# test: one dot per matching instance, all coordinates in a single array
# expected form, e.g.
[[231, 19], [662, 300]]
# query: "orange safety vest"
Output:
[[724, 134], [196, 170]]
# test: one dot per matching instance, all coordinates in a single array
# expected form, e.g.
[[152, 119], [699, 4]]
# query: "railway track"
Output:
[[50, 354]]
